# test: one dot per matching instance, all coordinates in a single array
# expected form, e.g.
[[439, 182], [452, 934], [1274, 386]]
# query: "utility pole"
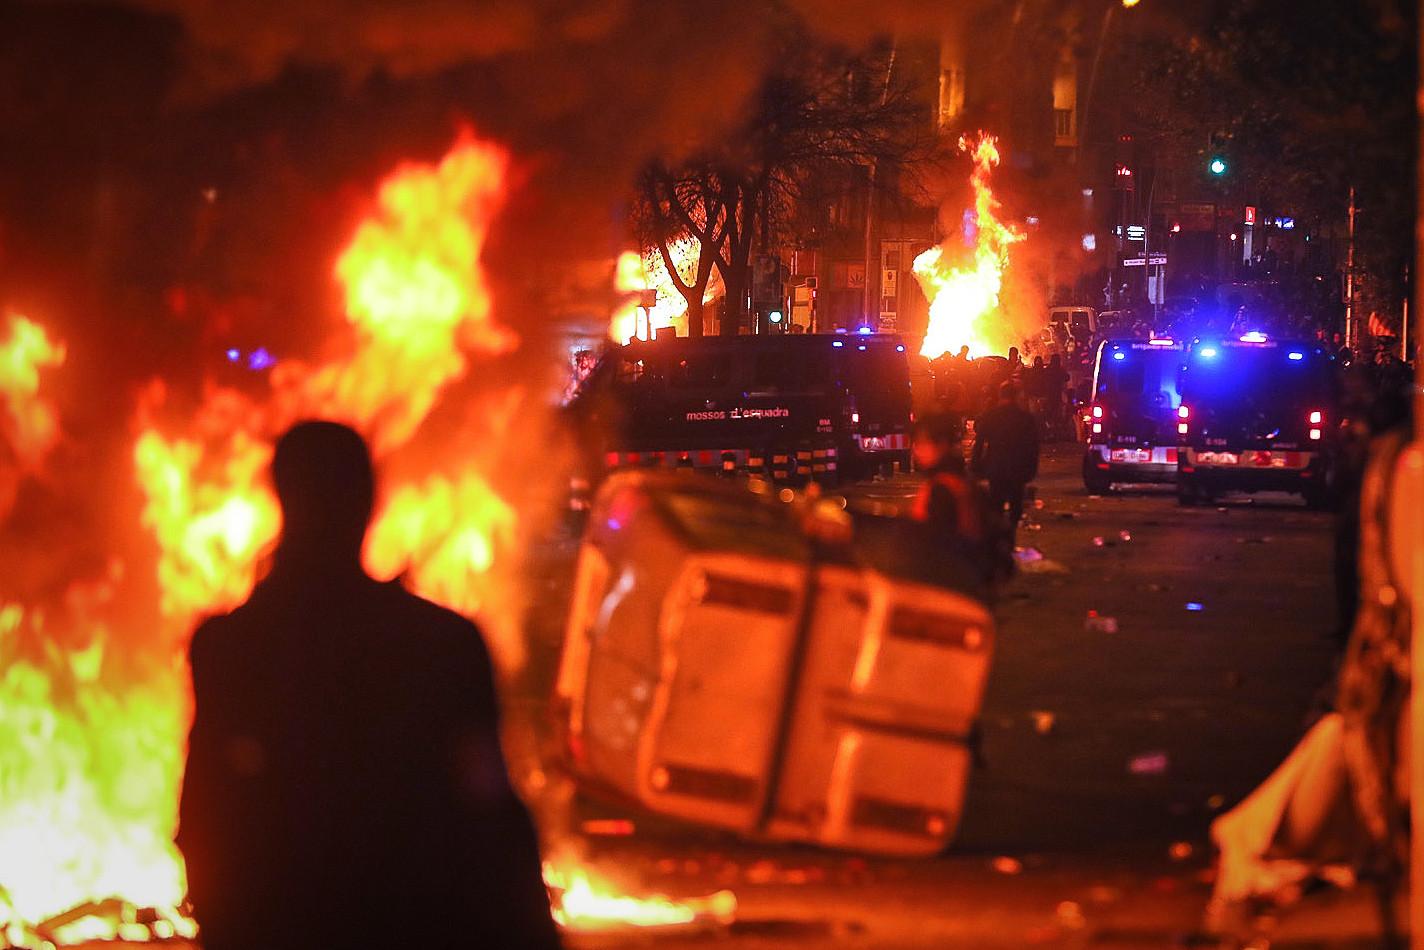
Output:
[[1350, 278]]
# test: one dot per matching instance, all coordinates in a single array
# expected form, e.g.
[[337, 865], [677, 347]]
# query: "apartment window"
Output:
[[1063, 123]]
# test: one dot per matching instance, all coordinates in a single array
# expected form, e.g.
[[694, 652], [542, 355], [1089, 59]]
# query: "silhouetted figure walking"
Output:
[[1006, 454], [345, 785]]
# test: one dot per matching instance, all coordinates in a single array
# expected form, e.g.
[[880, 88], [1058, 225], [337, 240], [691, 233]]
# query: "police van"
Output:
[[1131, 433], [824, 406], [1257, 414]]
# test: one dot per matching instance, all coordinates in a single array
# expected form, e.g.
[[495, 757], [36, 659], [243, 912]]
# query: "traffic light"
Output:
[[1217, 166]]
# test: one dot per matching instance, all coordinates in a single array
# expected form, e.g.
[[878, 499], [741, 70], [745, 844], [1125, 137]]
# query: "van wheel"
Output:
[[1318, 499], [1188, 494]]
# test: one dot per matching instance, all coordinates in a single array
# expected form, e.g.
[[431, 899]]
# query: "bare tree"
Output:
[[818, 114]]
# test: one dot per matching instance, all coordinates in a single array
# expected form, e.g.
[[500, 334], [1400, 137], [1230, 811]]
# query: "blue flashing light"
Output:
[[1296, 355], [1253, 336], [900, 348], [1119, 356], [837, 343], [861, 347], [1161, 341], [1207, 352], [259, 359], [233, 355], [863, 331], [1195, 607]]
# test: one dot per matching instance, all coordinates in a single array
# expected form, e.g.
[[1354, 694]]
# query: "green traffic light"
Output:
[[1217, 166]]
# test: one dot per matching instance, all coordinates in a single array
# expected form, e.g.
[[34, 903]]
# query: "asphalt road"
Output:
[[1107, 753]]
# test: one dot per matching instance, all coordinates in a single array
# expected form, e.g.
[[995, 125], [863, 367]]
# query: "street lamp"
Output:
[[1217, 166]]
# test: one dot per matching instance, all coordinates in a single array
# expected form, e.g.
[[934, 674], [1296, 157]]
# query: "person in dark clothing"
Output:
[[950, 505], [345, 785], [1006, 453]]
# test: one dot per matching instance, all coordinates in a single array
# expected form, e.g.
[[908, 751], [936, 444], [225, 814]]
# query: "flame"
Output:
[[29, 424], [636, 272], [964, 300], [586, 903], [92, 721]]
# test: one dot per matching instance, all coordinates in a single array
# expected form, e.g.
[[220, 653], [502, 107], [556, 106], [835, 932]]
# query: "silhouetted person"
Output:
[[345, 785], [1006, 453]]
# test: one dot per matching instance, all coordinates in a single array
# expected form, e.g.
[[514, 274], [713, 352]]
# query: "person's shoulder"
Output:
[[429, 620]]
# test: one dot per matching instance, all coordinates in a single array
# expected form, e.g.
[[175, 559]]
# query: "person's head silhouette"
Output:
[[325, 484]]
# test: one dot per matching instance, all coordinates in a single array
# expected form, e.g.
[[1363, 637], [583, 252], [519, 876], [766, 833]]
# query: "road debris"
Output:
[[1007, 865], [1149, 763], [1098, 624]]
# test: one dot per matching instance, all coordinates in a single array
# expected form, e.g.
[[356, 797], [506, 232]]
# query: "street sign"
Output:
[[1136, 232], [1154, 259]]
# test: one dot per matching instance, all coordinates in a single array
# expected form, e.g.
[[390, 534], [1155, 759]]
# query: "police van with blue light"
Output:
[[1257, 414], [1131, 425]]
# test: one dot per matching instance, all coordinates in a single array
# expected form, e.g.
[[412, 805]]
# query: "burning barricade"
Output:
[[733, 662]]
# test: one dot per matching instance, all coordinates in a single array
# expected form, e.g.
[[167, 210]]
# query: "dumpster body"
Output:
[[721, 668]]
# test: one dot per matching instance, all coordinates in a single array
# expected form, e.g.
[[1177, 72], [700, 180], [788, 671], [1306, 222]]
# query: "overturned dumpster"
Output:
[[776, 669]]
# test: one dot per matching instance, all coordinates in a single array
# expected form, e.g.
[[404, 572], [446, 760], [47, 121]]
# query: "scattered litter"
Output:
[[1007, 865], [1099, 541], [1043, 721], [1124, 535], [1094, 623], [1195, 606], [1032, 561], [1181, 850], [1216, 802], [1104, 894], [1038, 503], [1031, 526], [1070, 916], [608, 827], [1149, 763]]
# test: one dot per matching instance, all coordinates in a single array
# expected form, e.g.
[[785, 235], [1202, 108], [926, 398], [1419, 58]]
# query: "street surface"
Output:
[[1107, 753]]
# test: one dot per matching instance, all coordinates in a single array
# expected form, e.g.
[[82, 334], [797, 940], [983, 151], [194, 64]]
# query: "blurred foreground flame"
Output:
[[964, 299], [92, 723]]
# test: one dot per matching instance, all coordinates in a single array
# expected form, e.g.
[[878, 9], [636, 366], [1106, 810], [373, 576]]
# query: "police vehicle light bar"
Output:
[[1297, 355], [1161, 341], [1207, 352], [1119, 356], [1254, 336]]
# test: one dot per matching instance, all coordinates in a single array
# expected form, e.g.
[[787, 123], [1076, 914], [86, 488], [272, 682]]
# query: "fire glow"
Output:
[[636, 272], [94, 705], [964, 298]]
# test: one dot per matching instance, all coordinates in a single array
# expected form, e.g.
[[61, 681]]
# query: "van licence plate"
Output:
[[1132, 455]]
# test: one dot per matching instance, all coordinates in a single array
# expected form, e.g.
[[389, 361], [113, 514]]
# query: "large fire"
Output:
[[636, 273], [92, 722], [964, 297]]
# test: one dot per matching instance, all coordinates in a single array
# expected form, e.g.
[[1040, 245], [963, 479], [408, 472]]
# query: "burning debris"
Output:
[[964, 299], [584, 902]]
